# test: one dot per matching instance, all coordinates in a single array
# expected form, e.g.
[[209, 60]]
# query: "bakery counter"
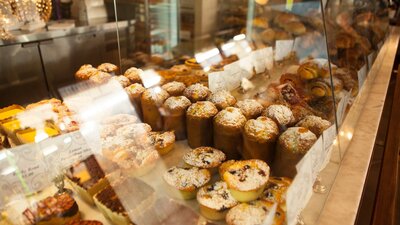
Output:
[[357, 135]]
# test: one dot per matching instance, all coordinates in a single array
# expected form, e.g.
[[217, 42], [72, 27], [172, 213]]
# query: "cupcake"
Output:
[[108, 68], [174, 115], [215, 201], [227, 127], [250, 108], [315, 124], [224, 166], [292, 145], [123, 81], [186, 181], [196, 92], [222, 99], [152, 99], [205, 158], [199, 123], [254, 213], [174, 88], [246, 179], [281, 114], [133, 74], [163, 141], [135, 92], [259, 138]]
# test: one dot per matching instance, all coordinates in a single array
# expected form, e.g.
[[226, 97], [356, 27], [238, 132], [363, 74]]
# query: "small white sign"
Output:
[[371, 59], [342, 106], [283, 48], [328, 136], [362, 75]]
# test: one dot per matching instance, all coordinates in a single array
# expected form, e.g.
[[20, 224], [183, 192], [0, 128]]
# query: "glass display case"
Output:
[[229, 123]]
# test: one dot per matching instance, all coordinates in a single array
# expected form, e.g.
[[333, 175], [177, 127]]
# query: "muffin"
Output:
[[215, 201], [174, 115], [152, 100], [246, 179], [281, 114], [174, 88], [224, 167], [292, 145], [205, 158], [123, 81], [222, 99], [259, 138], [163, 141], [227, 128], [197, 92], [85, 72], [108, 68], [315, 124], [250, 108], [133, 74], [254, 213], [186, 181], [199, 123], [100, 77], [135, 92]]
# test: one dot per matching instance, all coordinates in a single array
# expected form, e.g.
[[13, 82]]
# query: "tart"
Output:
[[186, 181], [215, 201], [163, 141], [174, 116], [196, 92], [152, 100], [205, 158], [108, 68], [174, 88], [259, 138], [227, 127], [222, 99], [250, 108], [199, 123], [281, 114], [123, 81], [315, 124], [292, 145], [133, 74], [246, 179]]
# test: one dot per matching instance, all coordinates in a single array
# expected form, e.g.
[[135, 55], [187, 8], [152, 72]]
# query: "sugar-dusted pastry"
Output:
[[281, 114], [224, 166], [163, 141], [197, 92], [108, 68], [315, 124], [58, 209], [228, 125], [133, 74], [84, 222], [222, 99], [215, 200], [300, 112], [85, 72], [100, 77], [246, 179], [308, 71], [250, 108], [174, 115], [254, 213], [174, 88], [199, 123], [122, 80], [181, 70], [204, 157], [292, 145], [135, 92], [186, 180], [259, 136], [152, 100]]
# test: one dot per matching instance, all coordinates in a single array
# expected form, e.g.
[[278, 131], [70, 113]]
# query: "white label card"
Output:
[[362, 75], [329, 136], [283, 49], [316, 157], [341, 108], [371, 59]]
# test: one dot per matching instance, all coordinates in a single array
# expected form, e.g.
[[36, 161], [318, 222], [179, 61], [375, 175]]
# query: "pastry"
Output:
[[205, 158], [85, 72], [276, 191], [174, 115], [284, 18], [260, 22], [186, 181], [192, 63], [300, 112], [84, 222], [259, 136], [10, 111], [281, 114], [268, 35], [282, 35], [215, 201], [196, 92], [222, 99], [135, 92], [337, 84], [246, 179], [152, 100], [288, 94], [254, 213], [224, 166], [174, 88], [308, 71], [293, 79], [108, 68], [315, 124], [100, 77], [319, 88], [199, 123], [163, 141], [157, 59], [292, 145], [181, 70], [250, 108], [227, 127], [296, 28], [133, 74], [59, 209], [122, 80]]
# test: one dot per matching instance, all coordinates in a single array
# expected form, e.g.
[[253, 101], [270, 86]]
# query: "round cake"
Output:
[[222, 99], [281, 114], [196, 92], [250, 108], [174, 88]]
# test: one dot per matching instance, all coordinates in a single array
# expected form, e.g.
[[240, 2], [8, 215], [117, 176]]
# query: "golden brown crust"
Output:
[[222, 99], [315, 124], [108, 68], [187, 179], [202, 109], [176, 104], [250, 108], [133, 74], [85, 72], [204, 157], [135, 90], [230, 118], [174, 88], [297, 140], [155, 96], [261, 130], [197, 92]]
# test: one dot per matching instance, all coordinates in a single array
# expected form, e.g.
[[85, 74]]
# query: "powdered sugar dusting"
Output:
[[315, 124], [297, 139], [222, 99], [174, 87], [177, 103], [231, 117], [196, 92], [252, 213], [216, 196], [187, 178], [202, 109], [263, 129], [282, 114], [135, 90], [204, 157], [250, 108]]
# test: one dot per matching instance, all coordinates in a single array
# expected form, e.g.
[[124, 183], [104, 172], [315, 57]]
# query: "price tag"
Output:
[[283, 49], [258, 61], [362, 75], [380, 44], [329, 136], [216, 81], [316, 157], [371, 58], [341, 108], [246, 64], [268, 57]]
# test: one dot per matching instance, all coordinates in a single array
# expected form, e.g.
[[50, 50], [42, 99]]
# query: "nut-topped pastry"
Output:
[[163, 141], [152, 100], [259, 138], [292, 145], [85, 72], [133, 74], [215, 200], [246, 179], [174, 115], [199, 123], [186, 180], [108, 68], [122, 80], [250, 108], [196, 92], [254, 213], [135, 92], [227, 127], [222, 99], [281, 114], [174, 88], [204, 157], [315, 124]]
